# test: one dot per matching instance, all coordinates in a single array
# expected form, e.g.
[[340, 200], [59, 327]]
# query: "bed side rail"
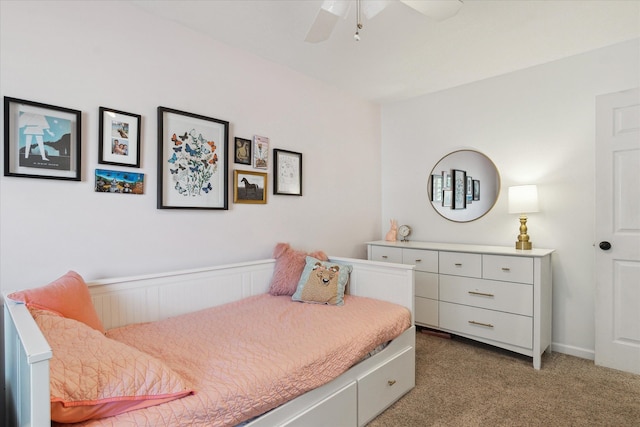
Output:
[[26, 369]]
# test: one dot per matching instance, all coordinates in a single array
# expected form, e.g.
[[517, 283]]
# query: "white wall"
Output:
[[538, 127], [83, 55]]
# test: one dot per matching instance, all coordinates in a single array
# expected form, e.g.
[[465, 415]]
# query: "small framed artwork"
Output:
[[192, 161], [446, 180], [469, 189], [119, 138], [436, 188], [249, 187], [41, 140], [260, 152], [287, 173], [459, 181], [476, 189], [447, 198], [242, 151], [108, 181]]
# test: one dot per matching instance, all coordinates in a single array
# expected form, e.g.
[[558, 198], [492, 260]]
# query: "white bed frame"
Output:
[[353, 399]]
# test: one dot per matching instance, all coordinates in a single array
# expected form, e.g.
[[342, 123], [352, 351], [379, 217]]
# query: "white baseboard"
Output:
[[583, 353]]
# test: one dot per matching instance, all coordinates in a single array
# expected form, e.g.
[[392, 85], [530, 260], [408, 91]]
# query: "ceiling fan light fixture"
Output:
[[371, 8], [337, 7], [438, 10]]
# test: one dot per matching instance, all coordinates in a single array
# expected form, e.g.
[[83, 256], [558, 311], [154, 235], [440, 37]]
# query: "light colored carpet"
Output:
[[463, 383]]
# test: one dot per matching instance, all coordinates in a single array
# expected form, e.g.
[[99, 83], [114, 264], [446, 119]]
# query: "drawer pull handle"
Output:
[[418, 260], [384, 256], [391, 382], [506, 269], [484, 294], [488, 325], [458, 264]]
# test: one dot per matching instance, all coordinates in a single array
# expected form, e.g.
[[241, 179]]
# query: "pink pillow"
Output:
[[92, 376], [68, 296], [288, 268]]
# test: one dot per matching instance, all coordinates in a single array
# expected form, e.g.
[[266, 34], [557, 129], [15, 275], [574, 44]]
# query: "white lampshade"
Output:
[[523, 199]]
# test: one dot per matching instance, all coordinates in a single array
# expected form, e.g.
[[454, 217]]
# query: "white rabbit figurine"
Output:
[[393, 232]]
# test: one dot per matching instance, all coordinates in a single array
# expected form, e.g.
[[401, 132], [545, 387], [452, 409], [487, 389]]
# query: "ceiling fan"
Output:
[[332, 10]]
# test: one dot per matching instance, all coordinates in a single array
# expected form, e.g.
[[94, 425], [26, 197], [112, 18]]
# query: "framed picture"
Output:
[[287, 173], [119, 138], [108, 181], [447, 196], [260, 152], [469, 189], [249, 187], [459, 181], [242, 151], [436, 188], [41, 140], [446, 180], [192, 161], [476, 189]]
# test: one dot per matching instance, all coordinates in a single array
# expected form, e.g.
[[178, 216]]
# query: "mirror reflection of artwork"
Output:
[[454, 185]]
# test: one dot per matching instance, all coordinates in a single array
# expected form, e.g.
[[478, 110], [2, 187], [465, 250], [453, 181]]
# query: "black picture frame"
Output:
[[459, 183], [436, 188], [119, 138], [242, 151], [192, 161], [53, 132], [287, 173]]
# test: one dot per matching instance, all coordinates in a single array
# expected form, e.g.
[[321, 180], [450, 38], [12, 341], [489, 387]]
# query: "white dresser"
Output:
[[493, 294]]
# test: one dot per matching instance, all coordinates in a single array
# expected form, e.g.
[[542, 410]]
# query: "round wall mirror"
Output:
[[463, 185]]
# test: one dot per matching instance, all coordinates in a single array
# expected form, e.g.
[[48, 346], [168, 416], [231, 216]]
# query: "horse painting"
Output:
[[249, 188]]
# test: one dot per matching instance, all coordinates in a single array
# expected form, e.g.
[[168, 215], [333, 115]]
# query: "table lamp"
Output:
[[523, 199]]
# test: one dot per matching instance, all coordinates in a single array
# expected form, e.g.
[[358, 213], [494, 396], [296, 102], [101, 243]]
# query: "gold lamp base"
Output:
[[523, 239], [523, 245]]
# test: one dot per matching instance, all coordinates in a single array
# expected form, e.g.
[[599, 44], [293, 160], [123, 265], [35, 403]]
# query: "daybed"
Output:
[[354, 398]]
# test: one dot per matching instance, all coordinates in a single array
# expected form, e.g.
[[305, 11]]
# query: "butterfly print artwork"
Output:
[[194, 162]]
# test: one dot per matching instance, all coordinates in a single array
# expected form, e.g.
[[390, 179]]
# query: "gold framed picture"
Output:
[[249, 187]]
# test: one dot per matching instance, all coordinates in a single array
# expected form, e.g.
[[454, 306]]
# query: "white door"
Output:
[[617, 311]]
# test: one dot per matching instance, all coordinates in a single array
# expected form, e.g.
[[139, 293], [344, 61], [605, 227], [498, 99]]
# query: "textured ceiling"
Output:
[[402, 53]]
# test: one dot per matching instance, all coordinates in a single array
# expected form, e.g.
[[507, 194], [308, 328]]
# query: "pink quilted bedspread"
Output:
[[250, 356]]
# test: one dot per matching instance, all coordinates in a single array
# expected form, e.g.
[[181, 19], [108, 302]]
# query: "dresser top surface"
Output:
[[460, 247]]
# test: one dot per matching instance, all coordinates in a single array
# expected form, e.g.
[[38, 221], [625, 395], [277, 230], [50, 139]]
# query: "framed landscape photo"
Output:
[[192, 161], [287, 172], [41, 140], [109, 181], [249, 187], [119, 138], [242, 151]]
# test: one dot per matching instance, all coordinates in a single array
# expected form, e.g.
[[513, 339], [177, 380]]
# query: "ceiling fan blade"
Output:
[[435, 9], [326, 20]]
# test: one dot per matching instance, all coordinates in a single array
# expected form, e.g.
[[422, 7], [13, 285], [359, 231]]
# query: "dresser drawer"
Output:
[[460, 264], [378, 388], [424, 260], [426, 285], [426, 311], [386, 254], [507, 268], [493, 325], [514, 298]]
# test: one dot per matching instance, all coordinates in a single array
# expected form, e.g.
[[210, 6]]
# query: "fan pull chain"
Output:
[[359, 22]]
